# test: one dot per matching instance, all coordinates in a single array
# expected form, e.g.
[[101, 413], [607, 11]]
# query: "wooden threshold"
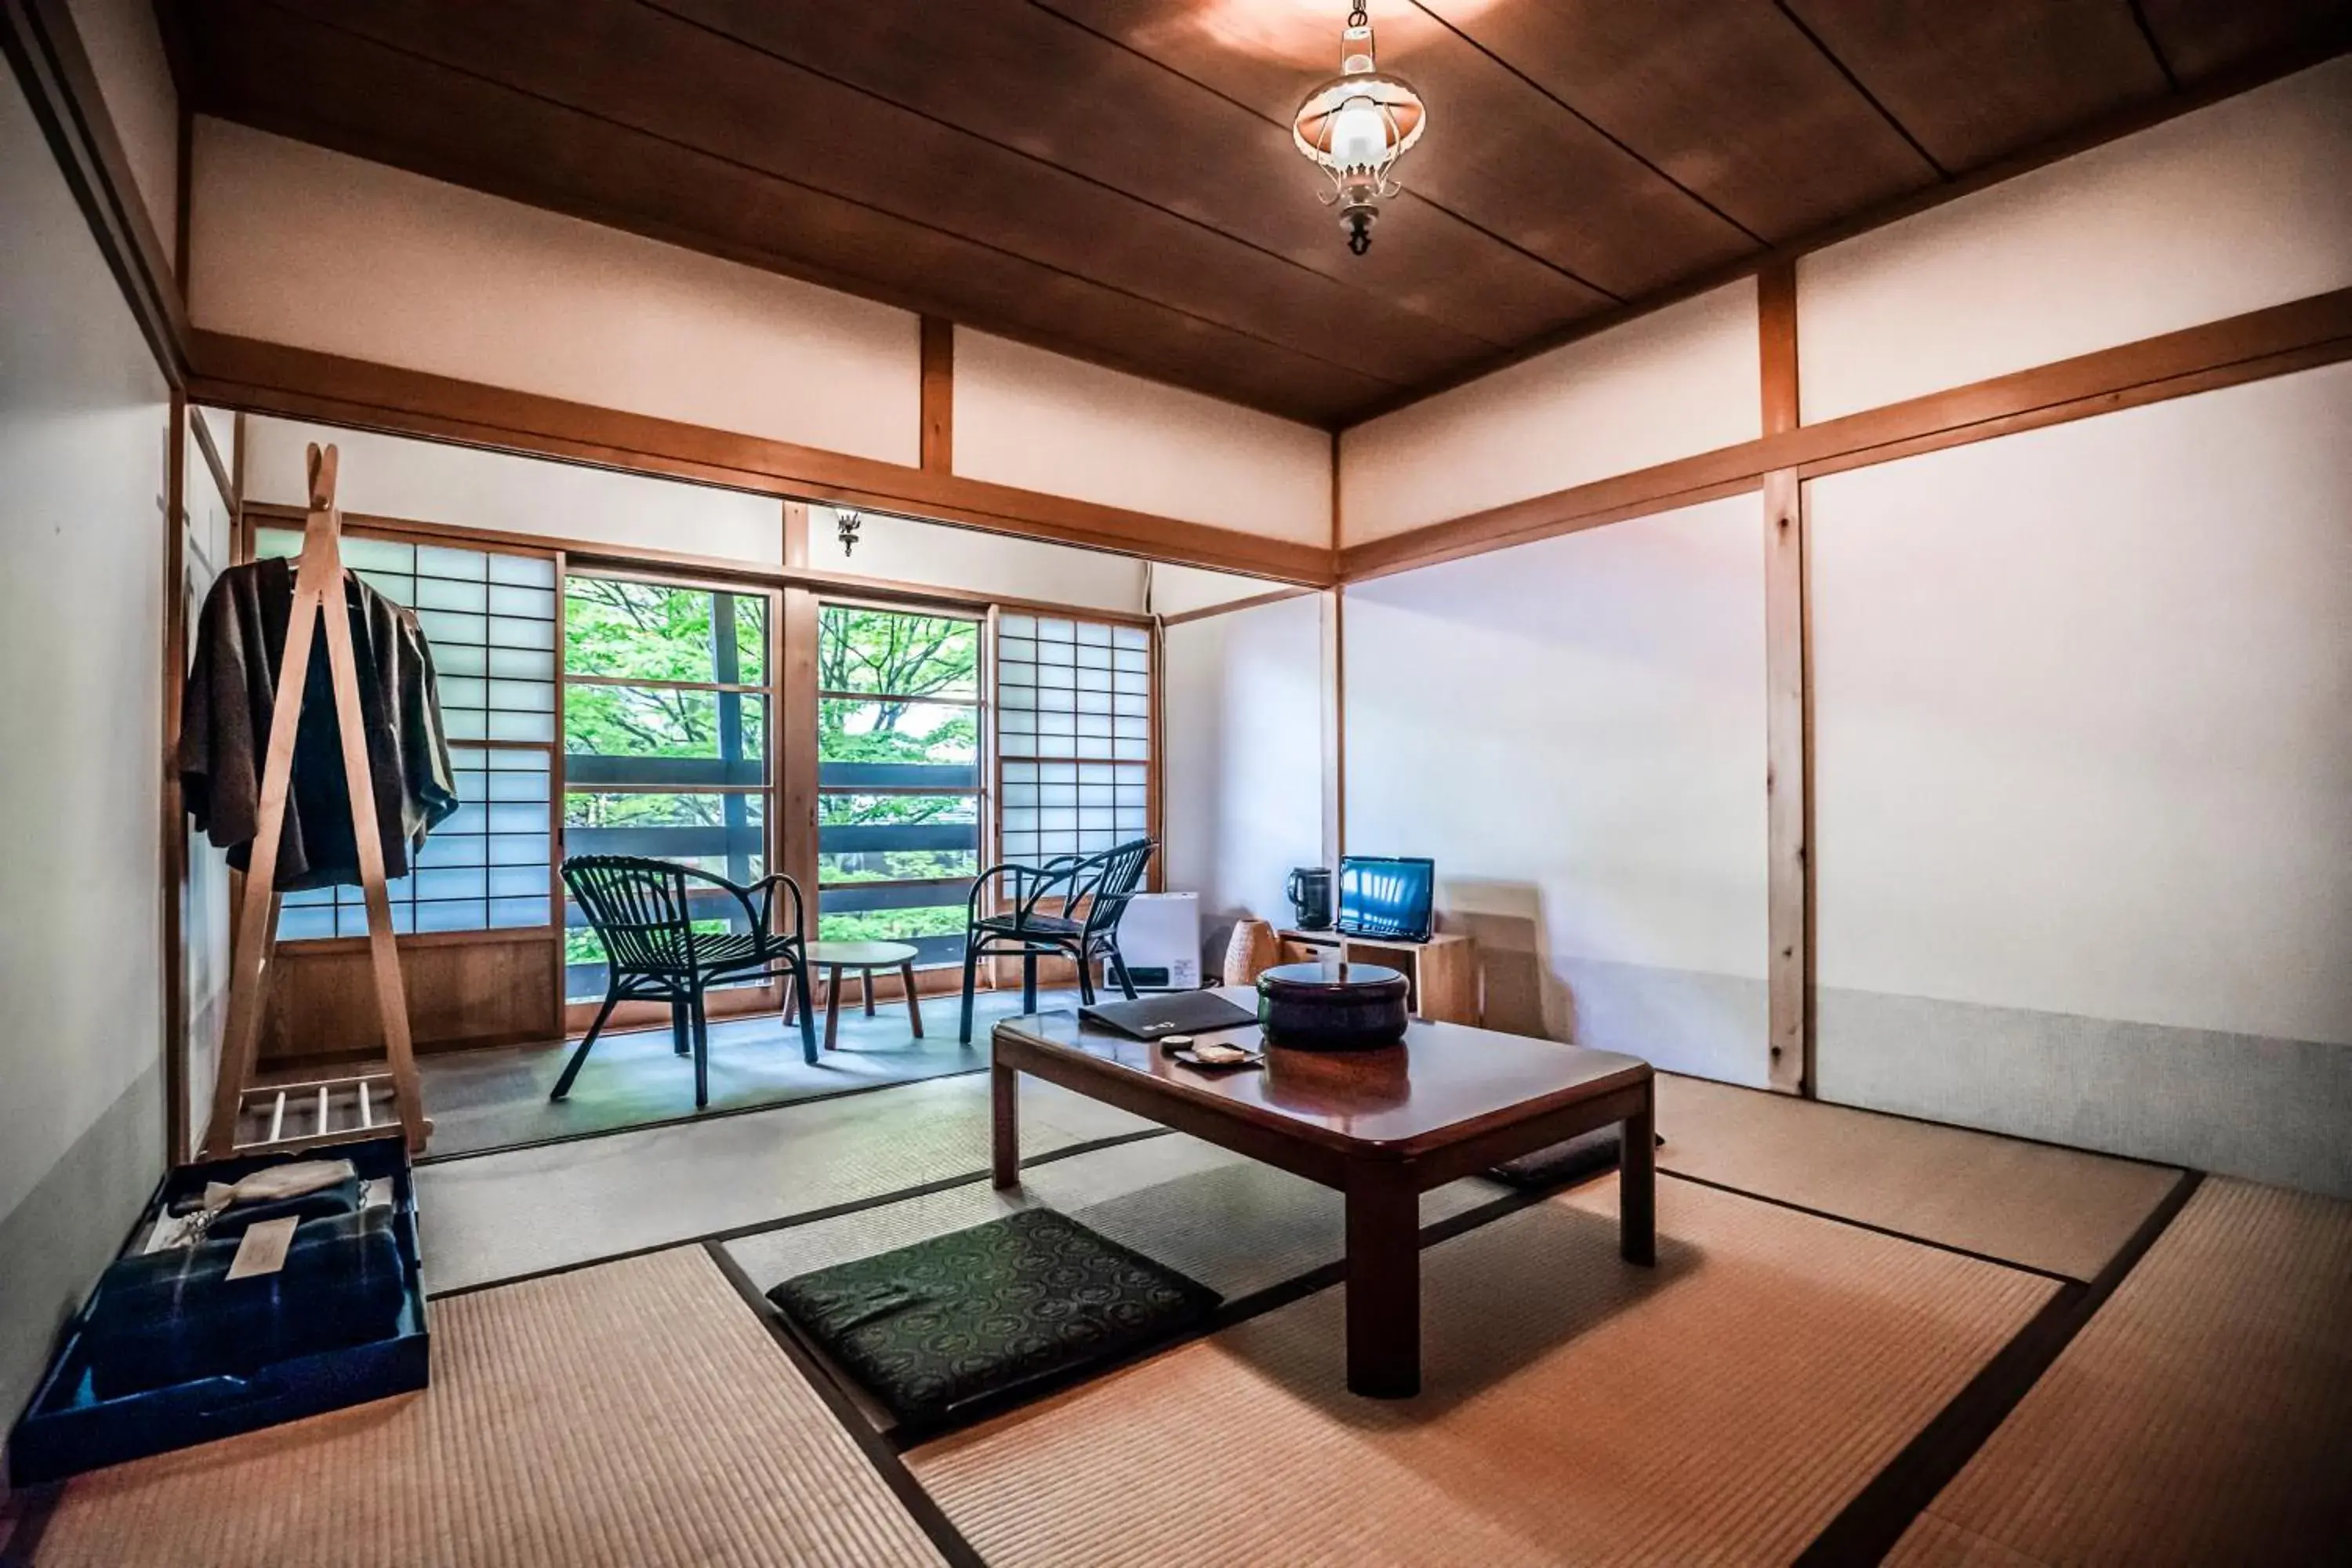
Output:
[[251, 377]]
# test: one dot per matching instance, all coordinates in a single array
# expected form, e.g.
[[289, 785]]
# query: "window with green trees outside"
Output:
[[898, 726], [666, 739]]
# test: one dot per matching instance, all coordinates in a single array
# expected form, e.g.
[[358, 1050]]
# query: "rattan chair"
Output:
[[642, 912], [1093, 893]]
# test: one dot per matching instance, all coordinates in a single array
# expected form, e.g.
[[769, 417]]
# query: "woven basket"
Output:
[[1252, 951]]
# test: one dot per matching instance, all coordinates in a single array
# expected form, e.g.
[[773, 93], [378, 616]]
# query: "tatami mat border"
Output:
[[1869, 1526]]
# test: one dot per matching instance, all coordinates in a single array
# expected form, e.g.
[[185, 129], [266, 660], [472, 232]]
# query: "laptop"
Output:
[[1177, 1012]]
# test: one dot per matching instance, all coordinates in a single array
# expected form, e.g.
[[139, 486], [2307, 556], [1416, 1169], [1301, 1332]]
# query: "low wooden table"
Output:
[[1383, 1127], [833, 957]]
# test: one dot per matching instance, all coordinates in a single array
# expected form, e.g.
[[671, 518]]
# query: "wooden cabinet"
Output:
[[1442, 973]]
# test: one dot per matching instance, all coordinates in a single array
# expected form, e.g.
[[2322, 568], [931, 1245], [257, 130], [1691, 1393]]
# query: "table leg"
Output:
[[866, 989], [914, 1007], [1004, 1125], [1637, 1184], [1383, 1284], [832, 1004]]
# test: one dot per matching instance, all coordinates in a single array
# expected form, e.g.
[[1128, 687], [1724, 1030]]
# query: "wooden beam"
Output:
[[939, 395], [1788, 779], [44, 46], [269, 378], [2250, 347], [1232, 607]]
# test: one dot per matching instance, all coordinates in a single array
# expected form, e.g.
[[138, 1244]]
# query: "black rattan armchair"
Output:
[[643, 914], [1093, 893]]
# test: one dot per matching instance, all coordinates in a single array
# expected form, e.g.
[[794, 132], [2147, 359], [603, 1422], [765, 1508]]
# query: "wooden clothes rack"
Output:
[[332, 1108]]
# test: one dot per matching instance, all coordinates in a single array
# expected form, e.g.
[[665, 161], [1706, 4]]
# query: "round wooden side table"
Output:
[[866, 957]]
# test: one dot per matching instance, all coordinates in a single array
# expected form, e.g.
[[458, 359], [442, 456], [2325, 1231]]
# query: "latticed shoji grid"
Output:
[[1074, 735], [490, 621]]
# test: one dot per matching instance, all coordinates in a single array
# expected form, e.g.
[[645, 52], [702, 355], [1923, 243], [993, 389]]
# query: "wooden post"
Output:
[[937, 395], [1788, 712], [796, 703], [318, 600]]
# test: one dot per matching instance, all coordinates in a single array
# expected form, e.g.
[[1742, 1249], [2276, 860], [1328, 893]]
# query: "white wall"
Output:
[[293, 243], [297, 245], [2084, 810], [1675, 383], [84, 426], [2243, 205], [428, 481], [1574, 729], [134, 77], [1242, 732], [1037, 420], [904, 550], [1177, 590]]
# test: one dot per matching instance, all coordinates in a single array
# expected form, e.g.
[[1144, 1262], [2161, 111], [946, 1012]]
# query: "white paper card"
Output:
[[263, 1250]]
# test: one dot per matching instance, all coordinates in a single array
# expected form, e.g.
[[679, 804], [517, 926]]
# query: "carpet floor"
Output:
[[496, 1098], [2061, 1210], [1721, 1407], [2203, 1416], [633, 1414]]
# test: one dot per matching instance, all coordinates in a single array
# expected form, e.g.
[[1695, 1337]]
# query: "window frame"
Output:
[[578, 1015], [983, 708]]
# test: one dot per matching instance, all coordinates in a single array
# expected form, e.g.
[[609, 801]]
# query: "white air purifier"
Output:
[[1159, 937]]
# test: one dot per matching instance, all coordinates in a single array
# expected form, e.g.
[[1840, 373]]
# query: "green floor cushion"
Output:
[[1585, 1154], [1036, 1295]]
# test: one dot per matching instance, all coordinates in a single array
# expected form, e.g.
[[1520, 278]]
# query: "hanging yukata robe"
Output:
[[224, 730]]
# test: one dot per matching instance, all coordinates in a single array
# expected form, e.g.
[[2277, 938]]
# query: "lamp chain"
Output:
[[1357, 17]]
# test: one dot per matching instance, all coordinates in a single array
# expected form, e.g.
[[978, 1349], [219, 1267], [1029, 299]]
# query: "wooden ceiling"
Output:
[[1114, 179]]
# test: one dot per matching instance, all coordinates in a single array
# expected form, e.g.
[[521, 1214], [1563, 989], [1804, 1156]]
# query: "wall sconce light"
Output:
[[846, 522]]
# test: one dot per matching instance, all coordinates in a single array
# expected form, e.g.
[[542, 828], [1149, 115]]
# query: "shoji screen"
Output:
[[490, 618], [1074, 735]]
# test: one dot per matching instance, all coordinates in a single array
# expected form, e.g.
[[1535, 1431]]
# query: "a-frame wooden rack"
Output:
[[321, 1110]]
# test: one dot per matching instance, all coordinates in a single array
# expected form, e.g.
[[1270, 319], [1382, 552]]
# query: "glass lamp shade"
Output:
[[1360, 124]]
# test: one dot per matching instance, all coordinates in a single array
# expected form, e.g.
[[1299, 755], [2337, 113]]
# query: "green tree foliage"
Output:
[[885, 674]]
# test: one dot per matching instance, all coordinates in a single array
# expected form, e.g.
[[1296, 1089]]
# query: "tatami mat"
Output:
[[1722, 1407], [502, 1216], [634, 1413], [2203, 1416], [2058, 1209], [1235, 1225]]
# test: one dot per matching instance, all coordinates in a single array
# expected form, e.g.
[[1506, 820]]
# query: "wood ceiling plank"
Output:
[[1729, 97], [285, 74], [1498, 151], [1974, 82], [714, 95], [2204, 38], [1024, 78]]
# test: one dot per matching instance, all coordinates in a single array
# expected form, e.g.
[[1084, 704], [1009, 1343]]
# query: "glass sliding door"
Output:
[[898, 734], [666, 739]]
